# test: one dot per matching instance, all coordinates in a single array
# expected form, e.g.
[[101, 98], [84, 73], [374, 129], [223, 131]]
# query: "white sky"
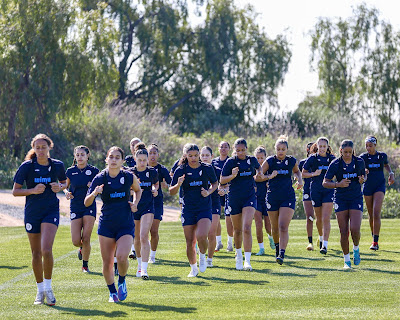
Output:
[[298, 17]]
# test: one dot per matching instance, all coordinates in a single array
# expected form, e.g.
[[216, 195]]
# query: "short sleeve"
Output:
[[385, 158], [211, 174], [361, 166], [332, 170], [22, 173], [165, 174], [177, 173], [227, 169], [293, 161], [255, 162], [97, 181], [308, 164], [61, 172], [154, 179]]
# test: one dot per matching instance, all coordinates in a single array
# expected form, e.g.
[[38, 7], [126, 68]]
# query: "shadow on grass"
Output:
[[241, 281], [382, 271], [90, 312], [152, 307], [178, 280], [172, 263], [13, 268]]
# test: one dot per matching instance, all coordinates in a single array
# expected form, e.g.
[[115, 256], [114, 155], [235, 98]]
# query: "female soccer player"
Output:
[[116, 224], [261, 212], [374, 188], [349, 171], [281, 199], [164, 180], [195, 178], [321, 198], [148, 180], [239, 171], [44, 177], [79, 177], [218, 164], [206, 157], [130, 160], [307, 205]]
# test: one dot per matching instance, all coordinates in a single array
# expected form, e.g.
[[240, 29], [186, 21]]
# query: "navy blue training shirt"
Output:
[[316, 162], [375, 164], [307, 181], [147, 178], [282, 183], [163, 173]]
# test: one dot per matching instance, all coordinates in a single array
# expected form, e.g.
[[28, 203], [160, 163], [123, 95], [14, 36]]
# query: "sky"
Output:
[[295, 19]]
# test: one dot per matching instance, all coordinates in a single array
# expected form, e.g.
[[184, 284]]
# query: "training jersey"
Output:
[[195, 179], [316, 162], [163, 173], [79, 184], [306, 181], [218, 165], [243, 183], [130, 161], [375, 164], [147, 178], [282, 183], [339, 169], [32, 173]]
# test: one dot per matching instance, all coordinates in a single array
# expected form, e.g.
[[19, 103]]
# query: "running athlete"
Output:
[[349, 171], [307, 205], [130, 160], [79, 177], [44, 177], [218, 164], [239, 171], [164, 180], [148, 180], [116, 225], [374, 188], [321, 198], [206, 157], [261, 211], [281, 199], [195, 178]]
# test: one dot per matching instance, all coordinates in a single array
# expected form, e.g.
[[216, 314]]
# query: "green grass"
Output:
[[307, 286]]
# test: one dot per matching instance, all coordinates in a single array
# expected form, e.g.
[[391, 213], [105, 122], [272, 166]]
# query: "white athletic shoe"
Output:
[[152, 259], [239, 262], [247, 266], [39, 298], [202, 264], [138, 273], [193, 273], [229, 248], [50, 298], [209, 264], [219, 246], [144, 275]]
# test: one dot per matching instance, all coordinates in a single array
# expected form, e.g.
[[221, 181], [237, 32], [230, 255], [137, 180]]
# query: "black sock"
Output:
[[112, 289], [282, 253], [85, 263], [310, 239], [376, 238], [115, 266], [121, 279], [276, 249]]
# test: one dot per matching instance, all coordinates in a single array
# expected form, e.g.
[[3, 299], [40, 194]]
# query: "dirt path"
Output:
[[12, 210]]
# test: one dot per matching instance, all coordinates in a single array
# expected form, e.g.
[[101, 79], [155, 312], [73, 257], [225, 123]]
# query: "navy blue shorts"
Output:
[[78, 214], [262, 206], [370, 189], [306, 195], [216, 205], [273, 204], [158, 209], [318, 196], [189, 218], [143, 210], [34, 219], [236, 204], [114, 231], [225, 205], [344, 205]]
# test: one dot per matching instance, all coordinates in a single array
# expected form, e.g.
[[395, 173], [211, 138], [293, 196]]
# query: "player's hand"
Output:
[[98, 190], [344, 183], [55, 187], [273, 175], [366, 171], [361, 179], [235, 172], [181, 179], [39, 189], [204, 192], [391, 178], [133, 206], [154, 192], [299, 185], [69, 195], [317, 172]]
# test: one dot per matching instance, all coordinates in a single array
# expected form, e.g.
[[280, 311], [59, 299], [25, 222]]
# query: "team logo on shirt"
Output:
[[37, 170], [122, 180], [359, 206], [88, 172], [228, 210], [28, 227], [91, 211], [147, 174], [336, 206], [306, 196], [49, 168], [248, 161], [74, 173], [73, 215], [286, 162], [200, 173], [55, 219]]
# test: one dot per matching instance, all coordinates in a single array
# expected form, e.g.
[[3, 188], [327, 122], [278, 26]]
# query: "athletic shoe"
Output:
[[261, 252], [122, 292], [209, 264], [279, 259], [347, 265], [138, 273], [144, 275], [219, 246], [80, 253], [202, 264], [239, 262], [193, 273], [113, 297], [50, 298], [152, 259], [271, 243], [39, 298], [116, 273], [132, 255], [310, 247], [356, 257], [323, 250], [247, 266], [229, 248], [85, 270], [374, 246]]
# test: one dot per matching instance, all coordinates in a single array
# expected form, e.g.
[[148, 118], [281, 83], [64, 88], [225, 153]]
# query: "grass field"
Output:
[[307, 286]]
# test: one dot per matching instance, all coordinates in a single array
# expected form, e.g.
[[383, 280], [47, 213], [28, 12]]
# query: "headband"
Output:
[[371, 139]]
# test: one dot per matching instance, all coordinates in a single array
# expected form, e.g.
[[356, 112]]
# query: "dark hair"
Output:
[[347, 143], [153, 145], [116, 148], [282, 140], [186, 148], [223, 141], [240, 141], [260, 149], [140, 148], [41, 136], [81, 147], [208, 148], [314, 147], [308, 148]]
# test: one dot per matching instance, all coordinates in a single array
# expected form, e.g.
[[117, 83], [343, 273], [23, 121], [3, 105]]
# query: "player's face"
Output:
[[322, 147], [260, 157], [141, 161], [281, 150], [347, 153], [153, 155], [193, 157], [81, 156], [114, 159], [371, 147], [241, 151], [41, 149], [224, 149], [205, 156]]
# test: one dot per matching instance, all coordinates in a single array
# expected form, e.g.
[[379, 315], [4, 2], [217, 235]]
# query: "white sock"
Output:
[[355, 247], [239, 252], [230, 240], [219, 239], [261, 245], [139, 263], [152, 253], [325, 244], [321, 238], [202, 256], [209, 259], [144, 266], [194, 266], [346, 257], [115, 259], [133, 247], [40, 286], [269, 237], [47, 284], [247, 256]]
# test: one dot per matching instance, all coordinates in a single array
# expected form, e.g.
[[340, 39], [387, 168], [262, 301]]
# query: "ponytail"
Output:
[[81, 147], [41, 136], [187, 147]]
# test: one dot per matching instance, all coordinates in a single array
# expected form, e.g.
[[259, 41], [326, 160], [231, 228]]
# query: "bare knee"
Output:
[[247, 229], [36, 254], [86, 239], [283, 228], [47, 252]]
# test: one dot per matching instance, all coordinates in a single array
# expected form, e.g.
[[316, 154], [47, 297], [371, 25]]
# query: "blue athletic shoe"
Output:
[[122, 292], [271, 243], [113, 297], [356, 257], [260, 253], [279, 259], [347, 265]]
